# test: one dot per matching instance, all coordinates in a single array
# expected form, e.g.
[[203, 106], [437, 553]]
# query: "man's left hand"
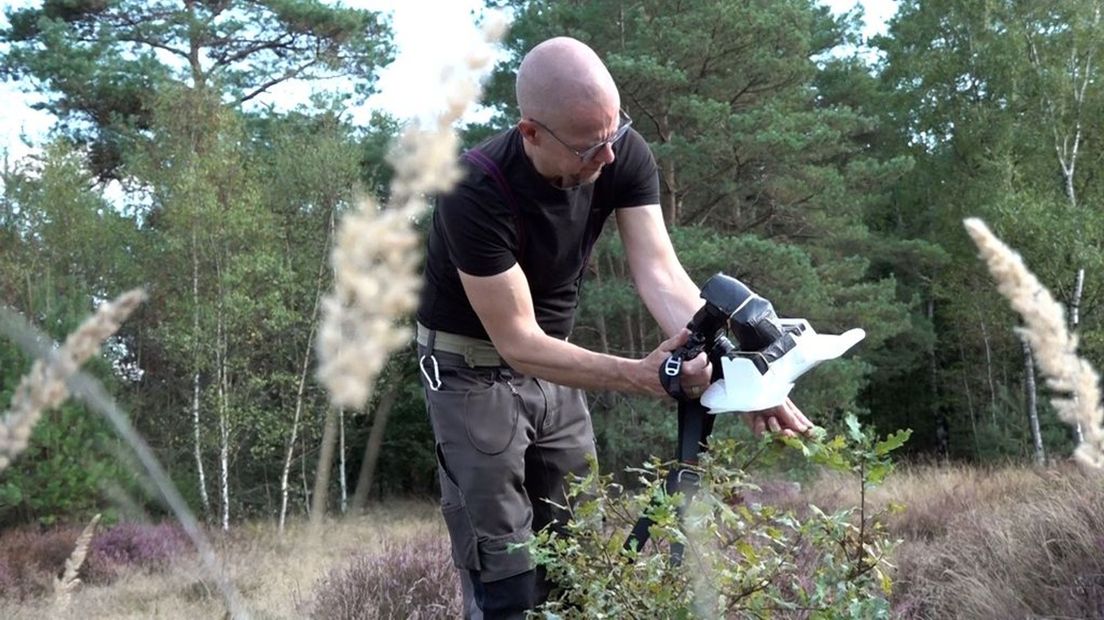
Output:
[[785, 418]]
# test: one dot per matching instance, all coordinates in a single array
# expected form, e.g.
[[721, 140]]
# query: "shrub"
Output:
[[128, 546], [71, 456], [413, 579], [31, 558], [742, 558]]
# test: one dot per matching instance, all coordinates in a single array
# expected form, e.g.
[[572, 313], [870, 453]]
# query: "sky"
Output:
[[406, 87]]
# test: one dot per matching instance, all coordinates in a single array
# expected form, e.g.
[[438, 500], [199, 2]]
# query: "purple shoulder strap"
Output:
[[486, 164]]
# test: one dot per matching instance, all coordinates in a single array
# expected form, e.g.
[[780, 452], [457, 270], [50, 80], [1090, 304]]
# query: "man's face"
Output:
[[577, 150]]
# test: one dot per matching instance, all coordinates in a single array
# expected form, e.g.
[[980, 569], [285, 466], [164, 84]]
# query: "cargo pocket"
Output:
[[483, 403], [465, 551], [491, 416], [501, 558]]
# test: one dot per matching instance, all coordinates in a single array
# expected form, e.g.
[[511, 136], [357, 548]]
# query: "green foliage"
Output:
[[72, 464], [765, 166], [832, 186], [631, 430], [743, 558], [104, 62], [998, 105]]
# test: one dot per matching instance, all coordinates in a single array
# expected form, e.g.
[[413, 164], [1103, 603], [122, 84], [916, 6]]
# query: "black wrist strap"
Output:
[[670, 377]]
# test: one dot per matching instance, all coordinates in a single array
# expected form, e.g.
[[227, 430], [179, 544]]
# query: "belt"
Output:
[[476, 351]]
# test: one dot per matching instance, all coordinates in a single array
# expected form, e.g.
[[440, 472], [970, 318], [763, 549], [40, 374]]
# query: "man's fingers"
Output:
[[789, 404], [758, 424], [788, 417], [699, 362], [772, 423], [675, 341]]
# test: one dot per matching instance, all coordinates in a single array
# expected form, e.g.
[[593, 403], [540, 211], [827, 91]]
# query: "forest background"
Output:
[[831, 181]]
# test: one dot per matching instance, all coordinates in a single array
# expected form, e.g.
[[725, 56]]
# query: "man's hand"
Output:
[[695, 373], [785, 418]]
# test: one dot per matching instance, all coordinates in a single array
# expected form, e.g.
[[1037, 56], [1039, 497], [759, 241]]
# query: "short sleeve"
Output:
[[636, 181], [477, 229]]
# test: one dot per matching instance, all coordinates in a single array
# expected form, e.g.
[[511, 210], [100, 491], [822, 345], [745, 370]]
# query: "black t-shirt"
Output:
[[475, 229]]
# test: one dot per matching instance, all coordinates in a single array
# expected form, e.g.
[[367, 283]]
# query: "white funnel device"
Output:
[[745, 389]]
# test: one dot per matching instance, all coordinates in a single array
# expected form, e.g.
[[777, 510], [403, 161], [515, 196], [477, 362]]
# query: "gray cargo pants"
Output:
[[505, 443]]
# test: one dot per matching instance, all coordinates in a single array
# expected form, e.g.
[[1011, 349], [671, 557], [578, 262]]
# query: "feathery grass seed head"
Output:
[[64, 585], [376, 254], [1054, 347], [44, 387]]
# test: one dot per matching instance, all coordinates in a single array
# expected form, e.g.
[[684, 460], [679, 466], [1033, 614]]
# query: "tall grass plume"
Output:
[[376, 255], [64, 585], [44, 387], [1055, 348]]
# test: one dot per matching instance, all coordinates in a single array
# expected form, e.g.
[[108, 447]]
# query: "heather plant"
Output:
[[403, 580], [743, 558], [129, 546], [30, 558]]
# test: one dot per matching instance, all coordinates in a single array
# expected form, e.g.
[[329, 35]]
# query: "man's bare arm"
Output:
[[505, 307], [670, 295], [673, 298]]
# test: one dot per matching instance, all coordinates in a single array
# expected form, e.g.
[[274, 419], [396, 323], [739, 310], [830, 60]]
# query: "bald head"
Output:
[[561, 79]]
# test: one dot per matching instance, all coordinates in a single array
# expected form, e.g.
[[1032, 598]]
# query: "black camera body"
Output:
[[733, 308]]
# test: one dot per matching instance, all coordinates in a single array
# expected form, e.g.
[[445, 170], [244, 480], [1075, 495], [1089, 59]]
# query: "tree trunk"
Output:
[[600, 316], [989, 370], [195, 379], [303, 476], [341, 459], [224, 426], [1075, 319], [303, 370], [671, 208], [969, 399], [295, 421], [322, 473], [941, 432], [371, 450], [1031, 400]]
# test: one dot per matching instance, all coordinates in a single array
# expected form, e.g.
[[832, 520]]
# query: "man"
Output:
[[506, 253]]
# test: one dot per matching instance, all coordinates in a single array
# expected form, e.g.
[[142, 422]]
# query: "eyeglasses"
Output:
[[588, 154]]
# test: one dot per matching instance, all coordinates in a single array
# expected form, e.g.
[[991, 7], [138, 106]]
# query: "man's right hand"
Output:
[[696, 373]]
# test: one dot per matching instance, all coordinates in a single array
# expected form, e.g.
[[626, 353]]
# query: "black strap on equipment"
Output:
[[695, 424], [486, 164]]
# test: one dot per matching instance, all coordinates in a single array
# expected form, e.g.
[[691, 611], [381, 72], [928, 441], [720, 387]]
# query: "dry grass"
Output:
[[276, 574], [1033, 554], [978, 543], [933, 495], [1011, 542]]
